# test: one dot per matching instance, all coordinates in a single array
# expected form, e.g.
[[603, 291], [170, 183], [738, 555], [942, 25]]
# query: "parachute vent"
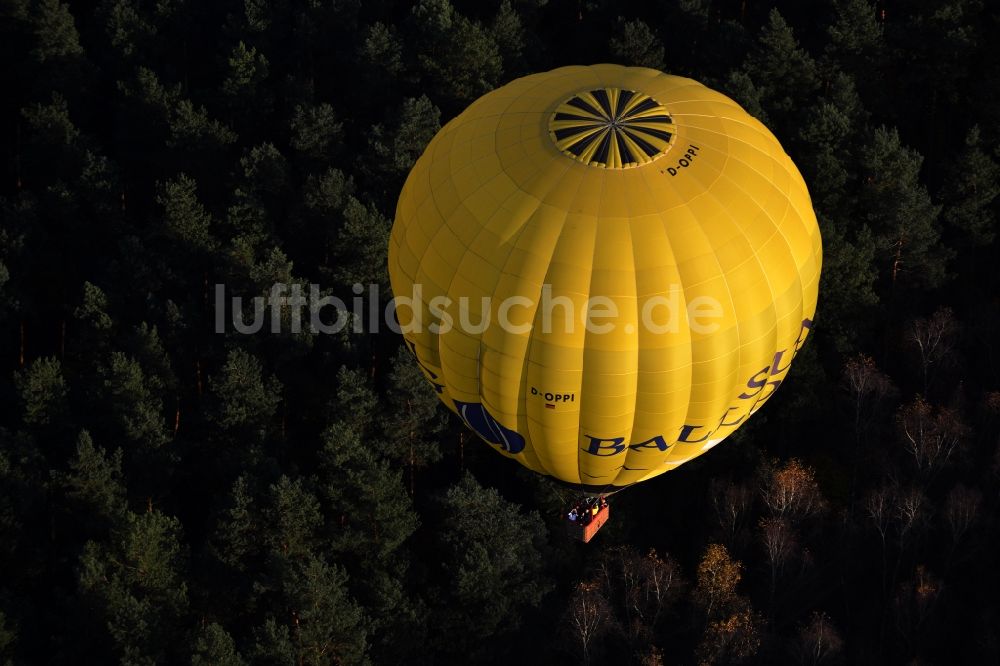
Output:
[[612, 128]]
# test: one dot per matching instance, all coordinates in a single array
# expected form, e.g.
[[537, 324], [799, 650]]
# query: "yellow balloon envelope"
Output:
[[604, 270]]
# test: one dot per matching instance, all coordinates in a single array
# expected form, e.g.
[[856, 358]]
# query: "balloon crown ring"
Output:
[[612, 128]]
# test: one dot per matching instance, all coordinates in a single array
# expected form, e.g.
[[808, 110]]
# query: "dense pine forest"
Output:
[[172, 494]]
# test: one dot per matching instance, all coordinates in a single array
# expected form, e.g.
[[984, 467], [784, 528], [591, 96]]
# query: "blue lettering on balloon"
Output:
[[657, 442], [761, 386], [616, 446], [755, 383], [764, 397], [775, 370], [686, 432], [487, 427], [807, 325], [723, 423]]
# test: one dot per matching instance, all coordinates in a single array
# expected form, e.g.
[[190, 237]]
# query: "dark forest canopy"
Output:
[[172, 494]]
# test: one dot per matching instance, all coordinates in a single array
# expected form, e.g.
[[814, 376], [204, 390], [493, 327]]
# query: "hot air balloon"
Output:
[[604, 270]]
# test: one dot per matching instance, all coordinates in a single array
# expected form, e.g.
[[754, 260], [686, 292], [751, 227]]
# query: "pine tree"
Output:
[[316, 132], [187, 126], [433, 18], [55, 31], [237, 532], [125, 26], [472, 67], [273, 645], [43, 393], [856, 42], [634, 43], [238, 559], [740, 86], [458, 57], [136, 582], [266, 171], [8, 637], [7, 300], [901, 215], [371, 519], [193, 130], [146, 347], [136, 410], [510, 36], [244, 401], [95, 479], [51, 122], [783, 71], [971, 191], [492, 564], [372, 514], [381, 52], [828, 135], [413, 127], [185, 219], [325, 195], [355, 404], [409, 425], [24, 502], [360, 251], [327, 626], [247, 71], [293, 519], [100, 190], [250, 98], [215, 647], [52, 148], [95, 322]]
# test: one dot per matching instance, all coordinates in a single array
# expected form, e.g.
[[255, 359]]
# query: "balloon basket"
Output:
[[577, 530]]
